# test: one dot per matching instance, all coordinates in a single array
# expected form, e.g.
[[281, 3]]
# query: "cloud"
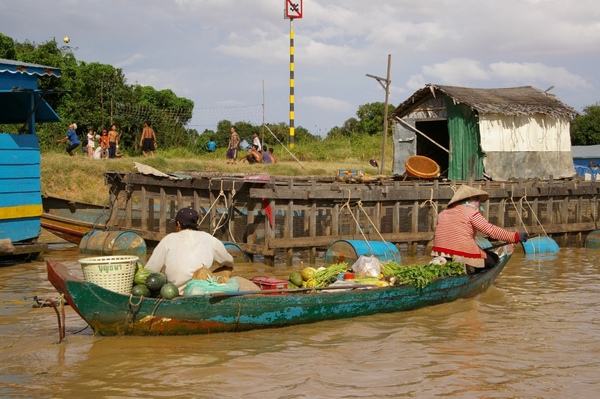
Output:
[[468, 72], [133, 59], [327, 104], [218, 52], [536, 72], [457, 71]]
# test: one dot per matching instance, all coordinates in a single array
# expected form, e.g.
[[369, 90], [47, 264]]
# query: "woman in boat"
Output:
[[457, 225], [187, 250]]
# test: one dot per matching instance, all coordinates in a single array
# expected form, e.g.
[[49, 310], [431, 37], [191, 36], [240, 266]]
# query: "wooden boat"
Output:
[[71, 220], [111, 313]]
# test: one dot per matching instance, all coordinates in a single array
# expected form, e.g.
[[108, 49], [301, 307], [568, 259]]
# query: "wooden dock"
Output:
[[266, 215]]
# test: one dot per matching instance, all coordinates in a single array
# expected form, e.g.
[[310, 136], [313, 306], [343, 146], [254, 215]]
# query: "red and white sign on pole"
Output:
[[293, 9]]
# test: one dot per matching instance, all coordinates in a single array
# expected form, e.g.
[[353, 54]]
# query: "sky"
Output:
[[232, 57]]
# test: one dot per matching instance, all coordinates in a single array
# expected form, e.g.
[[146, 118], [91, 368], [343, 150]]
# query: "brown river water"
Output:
[[534, 334]]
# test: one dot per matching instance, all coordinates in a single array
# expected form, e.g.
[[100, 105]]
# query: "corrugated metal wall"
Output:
[[466, 158]]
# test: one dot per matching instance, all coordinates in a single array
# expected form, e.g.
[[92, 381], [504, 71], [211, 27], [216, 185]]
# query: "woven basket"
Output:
[[114, 273], [423, 167]]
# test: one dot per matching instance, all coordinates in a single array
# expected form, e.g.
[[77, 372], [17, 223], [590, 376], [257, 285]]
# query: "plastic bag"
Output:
[[210, 286], [367, 266], [438, 260]]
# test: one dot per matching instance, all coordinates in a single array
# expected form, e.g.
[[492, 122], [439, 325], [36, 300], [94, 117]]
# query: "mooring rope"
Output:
[[221, 194], [524, 198], [374, 227], [59, 309], [220, 223], [433, 205], [347, 205], [231, 210], [131, 311]]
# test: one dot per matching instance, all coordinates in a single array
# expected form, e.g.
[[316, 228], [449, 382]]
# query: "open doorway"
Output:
[[438, 132]]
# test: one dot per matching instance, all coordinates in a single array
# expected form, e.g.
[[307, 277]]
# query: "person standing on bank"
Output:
[[91, 137], [256, 140], [148, 140], [113, 142], [186, 250], [72, 138], [457, 226], [232, 146]]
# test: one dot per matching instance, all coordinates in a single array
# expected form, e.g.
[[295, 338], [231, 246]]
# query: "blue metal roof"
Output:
[[19, 94], [12, 66]]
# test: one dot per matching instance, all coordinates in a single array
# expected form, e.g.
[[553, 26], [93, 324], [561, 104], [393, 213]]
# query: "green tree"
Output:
[[7, 47], [369, 121], [95, 96], [350, 128], [585, 129], [371, 117]]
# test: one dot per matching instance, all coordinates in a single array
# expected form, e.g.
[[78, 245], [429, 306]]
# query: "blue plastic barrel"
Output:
[[350, 250], [112, 242], [235, 250], [541, 245], [592, 240]]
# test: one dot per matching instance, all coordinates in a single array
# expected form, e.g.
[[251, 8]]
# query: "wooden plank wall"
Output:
[[20, 188], [310, 214]]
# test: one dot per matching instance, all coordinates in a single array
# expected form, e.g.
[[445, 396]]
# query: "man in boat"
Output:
[[187, 250], [457, 225]]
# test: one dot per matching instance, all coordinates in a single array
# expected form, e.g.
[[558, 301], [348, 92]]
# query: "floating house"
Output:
[[496, 134], [21, 104]]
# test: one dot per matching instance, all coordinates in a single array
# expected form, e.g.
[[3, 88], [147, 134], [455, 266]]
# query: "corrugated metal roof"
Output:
[[525, 100], [12, 66], [586, 151]]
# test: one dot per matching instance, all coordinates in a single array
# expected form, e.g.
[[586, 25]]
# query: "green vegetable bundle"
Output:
[[421, 276], [329, 275]]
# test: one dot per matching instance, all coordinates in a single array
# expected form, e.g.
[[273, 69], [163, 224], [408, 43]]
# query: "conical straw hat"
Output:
[[465, 192]]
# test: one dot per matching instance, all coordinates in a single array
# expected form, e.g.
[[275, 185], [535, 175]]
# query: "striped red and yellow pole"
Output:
[[292, 83]]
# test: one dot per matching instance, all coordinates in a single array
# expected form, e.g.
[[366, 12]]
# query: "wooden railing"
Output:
[[309, 214]]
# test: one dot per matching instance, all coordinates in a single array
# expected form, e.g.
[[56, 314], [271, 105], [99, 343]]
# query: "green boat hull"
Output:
[[111, 313]]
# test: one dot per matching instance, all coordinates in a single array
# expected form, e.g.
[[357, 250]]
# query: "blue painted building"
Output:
[[22, 104], [586, 159]]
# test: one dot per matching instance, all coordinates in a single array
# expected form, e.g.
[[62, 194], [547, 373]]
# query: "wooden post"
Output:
[[145, 206], [162, 221], [335, 220], [386, 87]]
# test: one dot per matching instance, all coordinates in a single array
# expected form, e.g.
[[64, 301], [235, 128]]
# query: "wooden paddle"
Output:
[[292, 290], [503, 243]]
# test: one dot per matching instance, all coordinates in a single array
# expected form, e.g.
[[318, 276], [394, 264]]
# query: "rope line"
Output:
[[221, 194], [231, 210], [360, 229], [374, 227], [430, 201]]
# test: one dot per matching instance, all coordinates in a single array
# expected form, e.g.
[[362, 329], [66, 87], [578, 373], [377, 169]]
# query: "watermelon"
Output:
[[141, 275], [155, 281], [169, 291], [140, 290]]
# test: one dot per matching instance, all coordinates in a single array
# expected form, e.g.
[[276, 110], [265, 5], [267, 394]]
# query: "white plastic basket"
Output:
[[114, 273]]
